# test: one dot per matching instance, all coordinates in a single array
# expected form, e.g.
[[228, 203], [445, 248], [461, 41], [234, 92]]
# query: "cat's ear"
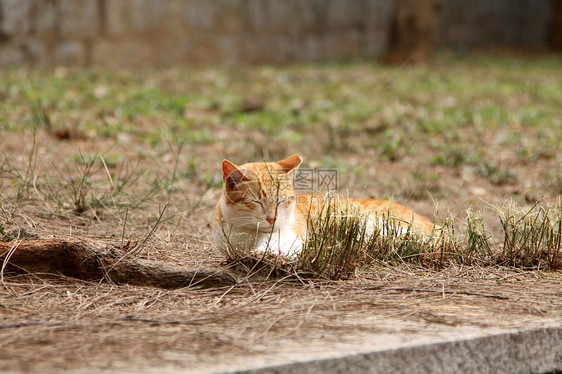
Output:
[[231, 174], [291, 162]]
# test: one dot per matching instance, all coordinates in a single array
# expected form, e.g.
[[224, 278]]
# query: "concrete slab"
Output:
[[527, 351], [412, 348], [435, 323]]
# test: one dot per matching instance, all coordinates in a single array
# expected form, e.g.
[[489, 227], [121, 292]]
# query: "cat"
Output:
[[260, 211]]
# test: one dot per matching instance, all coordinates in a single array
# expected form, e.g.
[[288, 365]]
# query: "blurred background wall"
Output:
[[127, 33]]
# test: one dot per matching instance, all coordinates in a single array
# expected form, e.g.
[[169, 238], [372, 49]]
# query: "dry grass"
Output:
[[532, 236], [339, 243], [104, 325]]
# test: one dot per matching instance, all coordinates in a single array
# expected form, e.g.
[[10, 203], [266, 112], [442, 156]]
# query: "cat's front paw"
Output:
[[289, 249]]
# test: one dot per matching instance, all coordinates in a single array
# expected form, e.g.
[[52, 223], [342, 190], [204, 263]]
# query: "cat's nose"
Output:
[[271, 220]]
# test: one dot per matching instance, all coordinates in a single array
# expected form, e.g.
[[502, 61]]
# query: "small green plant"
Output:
[[88, 183], [21, 178], [395, 146], [41, 116], [497, 174], [82, 195], [451, 157]]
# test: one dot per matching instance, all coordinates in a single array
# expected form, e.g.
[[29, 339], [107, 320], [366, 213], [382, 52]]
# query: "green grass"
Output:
[[480, 95]]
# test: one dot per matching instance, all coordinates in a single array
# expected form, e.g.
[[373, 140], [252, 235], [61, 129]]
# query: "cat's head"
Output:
[[259, 195]]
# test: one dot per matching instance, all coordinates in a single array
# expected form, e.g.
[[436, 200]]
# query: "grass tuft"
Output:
[[532, 236], [335, 243], [478, 240], [341, 241]]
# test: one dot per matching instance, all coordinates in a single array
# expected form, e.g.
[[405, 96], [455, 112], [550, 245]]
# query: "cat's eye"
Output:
[[258, 202], [285, 200]]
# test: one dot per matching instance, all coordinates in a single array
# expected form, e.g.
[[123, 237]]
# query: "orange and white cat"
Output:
[[260, 211]]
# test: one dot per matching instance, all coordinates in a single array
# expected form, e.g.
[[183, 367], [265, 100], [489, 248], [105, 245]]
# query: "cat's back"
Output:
[[408, 216], [311, 204]]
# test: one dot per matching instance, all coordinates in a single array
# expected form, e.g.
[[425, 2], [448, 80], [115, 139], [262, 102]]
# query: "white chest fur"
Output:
[[230, 236], [283, 242]]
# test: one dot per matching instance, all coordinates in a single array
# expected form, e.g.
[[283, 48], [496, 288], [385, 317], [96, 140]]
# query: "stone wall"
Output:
[[495, 23], [124, 33], [149, 32]]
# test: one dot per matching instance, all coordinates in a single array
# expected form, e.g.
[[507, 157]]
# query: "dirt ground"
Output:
[[52, 323]]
